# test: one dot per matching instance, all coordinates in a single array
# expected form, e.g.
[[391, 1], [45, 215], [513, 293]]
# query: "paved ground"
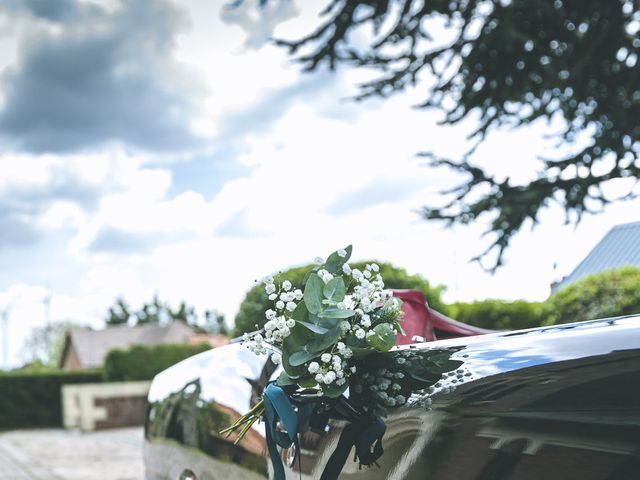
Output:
[[70, 455]]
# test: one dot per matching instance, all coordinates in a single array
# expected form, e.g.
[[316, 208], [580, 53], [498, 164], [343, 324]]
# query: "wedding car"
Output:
[[553, 403]]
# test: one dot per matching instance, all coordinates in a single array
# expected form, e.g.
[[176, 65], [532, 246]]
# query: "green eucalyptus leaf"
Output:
[[335, 262], [333, 312], [327, 323], [302, 356], [322, 342], [313, 327], [313, 293], [307, 382], [333, 390], [285, 380], [383, 338], [335, 290], [297, 341], [300, 313]]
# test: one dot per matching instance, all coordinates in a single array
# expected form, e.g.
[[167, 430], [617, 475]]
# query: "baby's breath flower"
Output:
[[276, 358], [342, 253], [291, 323], [346, 269], [326, 357], [329, 377], [319, 378], [313, 367], [285, 332], [270, 288], [291, 306], [297, 293], [270, 314], [279, 304], [360, 333], [273, 296], [318, 260], [340, 381], [286, 285]]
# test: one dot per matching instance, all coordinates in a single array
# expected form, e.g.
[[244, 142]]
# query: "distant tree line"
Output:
[[158, 312]]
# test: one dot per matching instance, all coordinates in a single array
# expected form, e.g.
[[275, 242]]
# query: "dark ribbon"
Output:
[[365, 434], [278, 407]]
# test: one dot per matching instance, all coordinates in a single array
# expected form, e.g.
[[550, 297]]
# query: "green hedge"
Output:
[[500, 314], [145, 362], [33, 400], [607, 294]]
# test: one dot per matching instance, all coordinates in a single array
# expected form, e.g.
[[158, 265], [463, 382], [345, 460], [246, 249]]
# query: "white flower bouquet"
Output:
[[319, 334]]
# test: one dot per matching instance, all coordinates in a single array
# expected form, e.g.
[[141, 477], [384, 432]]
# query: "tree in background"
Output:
[[509, 64], [214, 323], [119, 313], [251, 311], [44, 345], [161, 313], [152, 312]]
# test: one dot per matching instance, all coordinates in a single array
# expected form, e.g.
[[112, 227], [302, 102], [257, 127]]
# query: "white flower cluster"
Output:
[[255, 343], [278, 326], [332, 367], [370, 288]]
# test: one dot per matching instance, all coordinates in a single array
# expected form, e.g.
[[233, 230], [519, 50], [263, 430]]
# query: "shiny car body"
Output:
[[552, 403]]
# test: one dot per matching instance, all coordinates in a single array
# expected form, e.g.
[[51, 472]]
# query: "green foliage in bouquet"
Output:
[[318, 332], [250, 316]]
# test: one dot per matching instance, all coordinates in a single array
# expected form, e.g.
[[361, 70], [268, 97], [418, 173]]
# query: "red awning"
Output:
[[422, 321]]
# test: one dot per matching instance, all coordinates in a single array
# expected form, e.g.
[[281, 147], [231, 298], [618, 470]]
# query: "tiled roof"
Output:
[[620, 247], [92, 346]]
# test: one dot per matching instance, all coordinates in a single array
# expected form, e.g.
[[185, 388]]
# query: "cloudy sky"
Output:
[[158, 146]]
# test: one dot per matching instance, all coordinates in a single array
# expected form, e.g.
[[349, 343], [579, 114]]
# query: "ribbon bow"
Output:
[[365, 434]]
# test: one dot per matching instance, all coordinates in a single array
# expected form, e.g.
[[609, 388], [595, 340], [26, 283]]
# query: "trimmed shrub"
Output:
[[500, 314], [255, 302], [607, 294], [33, 400], [141, 362]]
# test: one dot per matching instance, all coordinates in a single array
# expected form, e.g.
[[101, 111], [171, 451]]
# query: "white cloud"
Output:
[[318, 173]]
